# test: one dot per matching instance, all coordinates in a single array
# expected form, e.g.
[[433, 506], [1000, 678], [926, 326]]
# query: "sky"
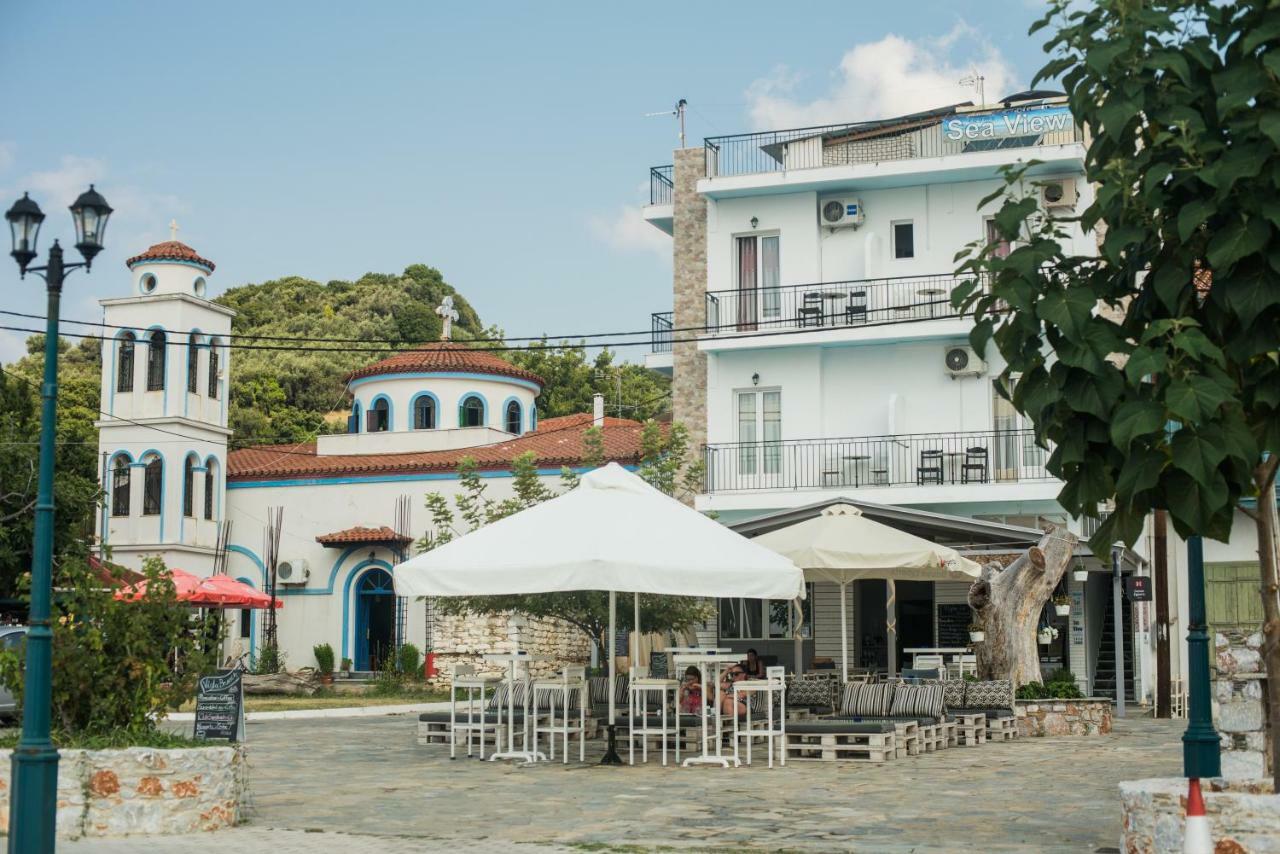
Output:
[[505, 144]]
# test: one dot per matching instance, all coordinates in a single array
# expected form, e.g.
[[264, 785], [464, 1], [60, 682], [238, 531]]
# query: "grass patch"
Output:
[[113, 740]]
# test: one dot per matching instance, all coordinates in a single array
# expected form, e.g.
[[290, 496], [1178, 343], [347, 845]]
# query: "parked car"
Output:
[[11, 638]]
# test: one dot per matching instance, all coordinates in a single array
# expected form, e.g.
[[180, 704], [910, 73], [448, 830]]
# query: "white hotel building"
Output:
[[817, 356]]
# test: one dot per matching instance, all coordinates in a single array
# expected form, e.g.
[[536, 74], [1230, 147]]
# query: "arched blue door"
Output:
[[375, 620]]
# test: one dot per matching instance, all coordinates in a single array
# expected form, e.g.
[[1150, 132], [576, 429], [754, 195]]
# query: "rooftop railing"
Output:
[[825, 305], [660, 332], [917, 459], [661, 185], [849, 144]]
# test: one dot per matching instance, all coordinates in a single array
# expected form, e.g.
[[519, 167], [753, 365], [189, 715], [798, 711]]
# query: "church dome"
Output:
[[171, 250], [446, 357]]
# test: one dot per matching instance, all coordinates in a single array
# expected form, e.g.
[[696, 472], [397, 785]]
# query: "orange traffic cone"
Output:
[[1196, 838]]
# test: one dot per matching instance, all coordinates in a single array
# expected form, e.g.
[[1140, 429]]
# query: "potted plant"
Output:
[[1080, 573], [1062, 604], [324, 662], [1047, 635], [977, 634], [345, 671]]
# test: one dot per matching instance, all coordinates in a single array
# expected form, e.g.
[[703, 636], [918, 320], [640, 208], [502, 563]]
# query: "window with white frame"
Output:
[[758, 278], [903, 233], [759, 431]]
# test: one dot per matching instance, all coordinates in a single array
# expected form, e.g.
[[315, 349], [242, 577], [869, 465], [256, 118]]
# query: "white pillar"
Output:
[[613, 647], [635, 641], [891, 623], [844, 631]]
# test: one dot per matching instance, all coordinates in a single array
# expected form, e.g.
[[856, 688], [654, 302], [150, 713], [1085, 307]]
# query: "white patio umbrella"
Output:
[[613, 532], [841, 545]]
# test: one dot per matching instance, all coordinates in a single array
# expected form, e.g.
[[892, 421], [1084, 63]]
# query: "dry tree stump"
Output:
[[1008, 603]]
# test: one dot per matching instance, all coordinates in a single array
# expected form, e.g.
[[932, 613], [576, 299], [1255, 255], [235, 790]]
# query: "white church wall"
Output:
[[449, 390]]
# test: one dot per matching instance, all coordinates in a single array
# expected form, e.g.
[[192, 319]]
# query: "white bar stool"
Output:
[[775, 682], [640, 725], [465, 677], [572, 680]]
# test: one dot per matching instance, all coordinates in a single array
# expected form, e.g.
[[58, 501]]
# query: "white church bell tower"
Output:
[[162, 437]]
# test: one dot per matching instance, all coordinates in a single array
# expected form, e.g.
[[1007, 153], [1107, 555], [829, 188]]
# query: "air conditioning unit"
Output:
[[1058, 194], [840, 213], [292, 572], [961, 361]]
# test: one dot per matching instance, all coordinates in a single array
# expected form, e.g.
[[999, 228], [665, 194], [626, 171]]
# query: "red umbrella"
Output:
[[218, 591]]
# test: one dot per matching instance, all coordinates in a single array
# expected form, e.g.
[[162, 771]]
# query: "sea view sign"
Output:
[[1011, 123]]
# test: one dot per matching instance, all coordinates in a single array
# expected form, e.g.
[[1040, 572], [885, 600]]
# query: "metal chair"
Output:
[[856, 310], [571, 683], [810, 307], [930, 468], [975, 465]]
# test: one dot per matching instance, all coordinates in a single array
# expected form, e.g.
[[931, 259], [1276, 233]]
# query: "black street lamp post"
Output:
[[33, 793]]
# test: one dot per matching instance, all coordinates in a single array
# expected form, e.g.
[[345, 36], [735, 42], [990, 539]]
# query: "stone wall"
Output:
[[1240, 706], [466, 640], [689, 296], [142, 790], [1088, 716], [1244, 818]]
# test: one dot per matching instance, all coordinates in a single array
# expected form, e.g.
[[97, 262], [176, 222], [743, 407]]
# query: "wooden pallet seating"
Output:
[[971, 728], [830, 739]]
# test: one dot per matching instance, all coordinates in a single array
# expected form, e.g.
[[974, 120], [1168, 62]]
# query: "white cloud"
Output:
[[13, 346], [885, 78], [627, 231]]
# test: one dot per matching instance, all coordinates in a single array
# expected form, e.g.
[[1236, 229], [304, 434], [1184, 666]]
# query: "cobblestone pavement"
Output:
[[364, 785]]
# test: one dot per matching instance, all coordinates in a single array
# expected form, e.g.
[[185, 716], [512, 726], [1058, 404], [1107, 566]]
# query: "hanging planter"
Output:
[[1046, 635], [1062, 605], [1081, 575], [976, 633]]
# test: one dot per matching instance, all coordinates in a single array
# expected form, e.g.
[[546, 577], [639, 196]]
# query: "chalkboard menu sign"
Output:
[[220, 706], [953, 625]]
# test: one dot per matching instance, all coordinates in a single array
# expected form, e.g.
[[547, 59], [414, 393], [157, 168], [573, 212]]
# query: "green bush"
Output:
[[118, 666], [387, 682], [1031, 691], [1061, 685], [270, 660], [324, 658], [409, 661]]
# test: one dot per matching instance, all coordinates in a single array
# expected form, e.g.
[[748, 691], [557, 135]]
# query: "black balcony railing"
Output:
[[660, 332], [661, 185], [917, 459], [861, 302], [848, 144]]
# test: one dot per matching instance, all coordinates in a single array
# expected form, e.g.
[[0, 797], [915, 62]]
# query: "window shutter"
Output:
[[371, 421]]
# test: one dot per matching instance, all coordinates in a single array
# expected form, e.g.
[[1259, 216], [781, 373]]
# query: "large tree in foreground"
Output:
[[665, 466], [1152, 370]]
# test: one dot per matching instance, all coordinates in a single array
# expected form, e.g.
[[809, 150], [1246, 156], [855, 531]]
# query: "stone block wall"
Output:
[[1088, 716], [1240, 705], [689, 296], [466, 640], [1244, 817], [142, 790]]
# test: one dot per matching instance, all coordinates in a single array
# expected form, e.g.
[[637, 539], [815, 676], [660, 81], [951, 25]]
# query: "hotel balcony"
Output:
[[659, 357], [660, 209], [918, 468], [826, 312], [947, 145]]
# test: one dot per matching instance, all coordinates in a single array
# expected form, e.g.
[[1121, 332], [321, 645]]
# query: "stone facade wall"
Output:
[[1240, 706], [142, 790], [1088, 716], [1244, 818], [689, 300], [465, 640]]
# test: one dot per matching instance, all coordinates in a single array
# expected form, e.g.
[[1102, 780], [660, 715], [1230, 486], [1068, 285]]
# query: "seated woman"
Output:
[[729, 705], [689, 697], [754, 666]]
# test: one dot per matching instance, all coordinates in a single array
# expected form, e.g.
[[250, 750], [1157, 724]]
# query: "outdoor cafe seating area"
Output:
[[867, 717]]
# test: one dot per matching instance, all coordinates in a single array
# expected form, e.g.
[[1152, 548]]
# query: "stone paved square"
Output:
[[363, 784]]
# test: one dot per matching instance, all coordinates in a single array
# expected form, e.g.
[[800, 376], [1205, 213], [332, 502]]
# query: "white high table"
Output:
[[512, 659], [713, 662]]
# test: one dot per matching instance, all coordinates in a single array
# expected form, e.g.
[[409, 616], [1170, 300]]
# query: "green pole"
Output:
[[33, 805], [1200, 745]]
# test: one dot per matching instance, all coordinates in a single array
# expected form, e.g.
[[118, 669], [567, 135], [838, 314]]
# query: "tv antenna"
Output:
[[678, 112], [977, 82]]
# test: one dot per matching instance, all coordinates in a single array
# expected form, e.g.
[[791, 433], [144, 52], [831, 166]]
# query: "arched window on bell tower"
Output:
[[120, 483], [155, 360], [124, 362]]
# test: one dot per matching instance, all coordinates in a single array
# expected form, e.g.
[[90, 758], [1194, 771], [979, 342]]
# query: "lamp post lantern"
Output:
[[33, 793]]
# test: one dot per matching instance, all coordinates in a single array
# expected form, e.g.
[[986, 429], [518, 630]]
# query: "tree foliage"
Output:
[[587, 610], [118, 666], [1160, 383]]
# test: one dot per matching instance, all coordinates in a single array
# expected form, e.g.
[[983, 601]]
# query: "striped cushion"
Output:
[[758, 699], [598, 689], [543, 697], [862, 699], [953, 693], [917, 700], [499, 698]]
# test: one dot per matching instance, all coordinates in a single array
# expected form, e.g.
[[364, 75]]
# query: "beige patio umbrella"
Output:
[[842, 546]]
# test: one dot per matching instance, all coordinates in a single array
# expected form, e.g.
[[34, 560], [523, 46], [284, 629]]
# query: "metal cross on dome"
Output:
[[173, 229], [450, 314]]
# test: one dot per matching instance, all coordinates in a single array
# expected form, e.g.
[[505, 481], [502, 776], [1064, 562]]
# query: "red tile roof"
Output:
[[557, 442], [171, 250], [382, 534], [446, 356]]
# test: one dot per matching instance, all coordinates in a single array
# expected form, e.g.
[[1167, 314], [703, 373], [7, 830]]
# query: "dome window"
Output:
[[199, 286], [513, 417], [471, 412], [147, 284]]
